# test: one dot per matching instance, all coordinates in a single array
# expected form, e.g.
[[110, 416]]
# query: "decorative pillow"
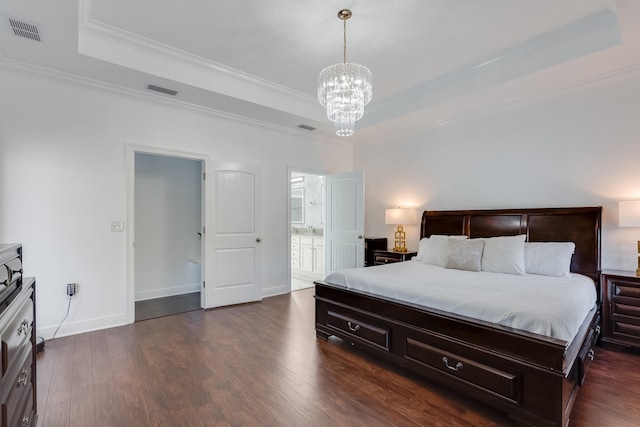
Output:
[[433, 250], [504, 254], [465, 254], [548, 258]]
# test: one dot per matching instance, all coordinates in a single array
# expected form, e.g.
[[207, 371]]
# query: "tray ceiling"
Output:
[[431, 61]]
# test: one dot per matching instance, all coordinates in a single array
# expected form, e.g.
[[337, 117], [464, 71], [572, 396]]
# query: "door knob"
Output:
[[359, 236], [259, 239]]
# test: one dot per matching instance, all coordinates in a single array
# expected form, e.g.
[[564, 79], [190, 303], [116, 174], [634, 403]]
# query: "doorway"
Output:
[[306, 228], [167, 235]]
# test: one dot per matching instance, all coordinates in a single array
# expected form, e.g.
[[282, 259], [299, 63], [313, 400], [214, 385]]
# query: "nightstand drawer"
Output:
[[386, 259], [620, 289], [389, 257], [626, 329], [625, 309]]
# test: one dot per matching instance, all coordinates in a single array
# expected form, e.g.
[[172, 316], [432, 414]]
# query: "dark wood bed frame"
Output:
[[533, 378]]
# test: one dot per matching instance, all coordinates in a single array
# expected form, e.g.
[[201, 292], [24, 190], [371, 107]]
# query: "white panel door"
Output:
[[232, 238], [344, 222]]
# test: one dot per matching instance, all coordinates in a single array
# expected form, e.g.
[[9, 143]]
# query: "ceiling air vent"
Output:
[[162, 90], [306, 127], [24, 29]]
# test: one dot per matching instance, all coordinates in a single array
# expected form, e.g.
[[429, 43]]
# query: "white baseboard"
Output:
[[167, 292], [81, 327], [275, 290]]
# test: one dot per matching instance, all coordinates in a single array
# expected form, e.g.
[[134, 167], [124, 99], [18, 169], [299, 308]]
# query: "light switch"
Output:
[[117, 226]]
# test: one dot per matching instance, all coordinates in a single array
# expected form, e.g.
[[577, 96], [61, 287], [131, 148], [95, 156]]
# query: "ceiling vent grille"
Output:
[[306, 127], [162, 90], [24, 29]]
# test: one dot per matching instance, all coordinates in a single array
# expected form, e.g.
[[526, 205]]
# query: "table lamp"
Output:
[[629, 216], [400, 217]]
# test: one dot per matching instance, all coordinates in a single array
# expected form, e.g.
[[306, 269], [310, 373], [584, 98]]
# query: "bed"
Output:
[[531, 376]]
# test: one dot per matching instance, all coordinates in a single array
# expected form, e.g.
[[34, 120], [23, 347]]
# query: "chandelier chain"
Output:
[[344, 39]]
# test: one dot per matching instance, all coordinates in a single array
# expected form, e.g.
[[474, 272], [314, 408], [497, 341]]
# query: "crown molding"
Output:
[[371, 136], [46, 74], [112, 44], [89, 25], [592, 33], [399, 132]]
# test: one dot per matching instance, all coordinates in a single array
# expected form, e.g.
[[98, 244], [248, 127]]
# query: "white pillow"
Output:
[[422, 249], [548, 258], [433, 250], [504, 254]]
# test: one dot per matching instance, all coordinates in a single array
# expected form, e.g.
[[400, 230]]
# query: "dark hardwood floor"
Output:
[[158, 307], [262, 365]]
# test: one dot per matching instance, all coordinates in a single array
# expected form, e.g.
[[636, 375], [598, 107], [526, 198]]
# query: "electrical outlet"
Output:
[[72, 289]]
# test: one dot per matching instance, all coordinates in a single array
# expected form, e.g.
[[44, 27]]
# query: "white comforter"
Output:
[[550, 306]]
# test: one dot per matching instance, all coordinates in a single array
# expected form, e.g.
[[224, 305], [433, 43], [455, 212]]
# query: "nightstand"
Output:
[[620, 310], [373, 244], [388, 257]]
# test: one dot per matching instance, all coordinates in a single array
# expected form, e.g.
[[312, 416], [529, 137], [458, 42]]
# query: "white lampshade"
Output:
[[400, 216], [629, 213]]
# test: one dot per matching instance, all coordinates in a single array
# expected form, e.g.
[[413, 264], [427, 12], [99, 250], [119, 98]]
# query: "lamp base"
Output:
[[400, 242], [638, 269]]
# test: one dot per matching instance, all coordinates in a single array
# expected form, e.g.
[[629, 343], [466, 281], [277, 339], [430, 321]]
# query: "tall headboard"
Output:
[[578, 225]]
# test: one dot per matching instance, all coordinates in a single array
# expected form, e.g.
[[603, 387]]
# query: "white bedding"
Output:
[[550, 306]]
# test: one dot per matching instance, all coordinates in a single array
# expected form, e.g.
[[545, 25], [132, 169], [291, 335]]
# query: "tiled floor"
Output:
[[297, 284]]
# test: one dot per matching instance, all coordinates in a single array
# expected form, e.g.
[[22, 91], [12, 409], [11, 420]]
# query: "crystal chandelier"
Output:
[[344, 89]]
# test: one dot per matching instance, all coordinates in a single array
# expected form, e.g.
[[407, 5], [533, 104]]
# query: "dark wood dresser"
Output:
[[17, 331], [620, 310]]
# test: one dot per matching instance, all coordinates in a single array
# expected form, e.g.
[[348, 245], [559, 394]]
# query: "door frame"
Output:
[[130, 174], [310, 171]]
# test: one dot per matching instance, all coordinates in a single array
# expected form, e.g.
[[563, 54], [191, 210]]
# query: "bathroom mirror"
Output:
[[297, 206]]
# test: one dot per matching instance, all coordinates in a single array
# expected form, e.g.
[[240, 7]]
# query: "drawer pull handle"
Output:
[[597, 330], [353, 328], [24, 377], [458, 366], [591, 354], [23, 328]]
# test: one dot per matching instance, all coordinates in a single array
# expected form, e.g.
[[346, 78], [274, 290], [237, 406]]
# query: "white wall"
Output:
[[62, 181], [578, 148], [167, 219]]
